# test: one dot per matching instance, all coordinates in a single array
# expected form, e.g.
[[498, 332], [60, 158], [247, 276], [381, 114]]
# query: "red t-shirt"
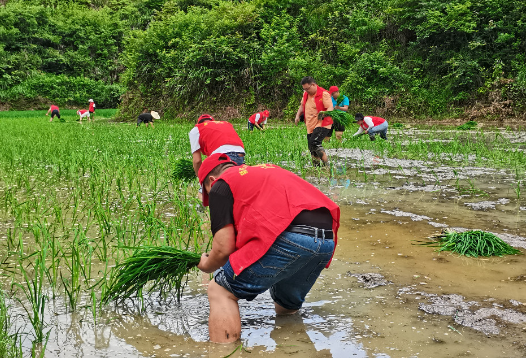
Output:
[[92, 106], [53, 108]]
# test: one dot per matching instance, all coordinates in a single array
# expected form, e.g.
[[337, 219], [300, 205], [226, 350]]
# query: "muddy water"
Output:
[[342, 318]]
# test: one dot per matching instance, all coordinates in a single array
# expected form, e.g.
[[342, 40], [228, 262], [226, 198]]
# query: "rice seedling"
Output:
[[164, 266], [468, 125], [33, 290], [473, 243], [9, 343], [184, 170], [339, 117]]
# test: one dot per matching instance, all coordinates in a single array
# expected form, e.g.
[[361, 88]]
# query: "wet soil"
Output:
[[383, 296]]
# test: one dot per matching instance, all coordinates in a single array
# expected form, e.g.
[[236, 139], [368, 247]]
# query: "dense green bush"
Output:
[[67, 53], [398, 57], [61, 90], [404, 57]]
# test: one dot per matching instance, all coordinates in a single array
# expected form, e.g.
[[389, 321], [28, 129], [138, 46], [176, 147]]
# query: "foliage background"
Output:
[[399, 58]]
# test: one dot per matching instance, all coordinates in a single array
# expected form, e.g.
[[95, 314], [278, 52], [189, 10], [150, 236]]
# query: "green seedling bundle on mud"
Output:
[[473, 243], [468, 125], [184, 170], [164, 266]]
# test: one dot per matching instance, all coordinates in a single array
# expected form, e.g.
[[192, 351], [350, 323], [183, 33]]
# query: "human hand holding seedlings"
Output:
[[223, 244]]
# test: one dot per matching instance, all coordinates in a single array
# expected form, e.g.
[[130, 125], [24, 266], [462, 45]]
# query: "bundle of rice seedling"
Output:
[[339, 117], [397, 125], [184, 170], [163, 266], [468, 125], [472, 243]]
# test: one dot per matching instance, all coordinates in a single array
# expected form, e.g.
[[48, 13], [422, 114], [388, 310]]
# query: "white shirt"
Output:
[[195, 146], [369, 122]]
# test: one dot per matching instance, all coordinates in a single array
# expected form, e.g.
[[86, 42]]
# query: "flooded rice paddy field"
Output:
[[383, 296]]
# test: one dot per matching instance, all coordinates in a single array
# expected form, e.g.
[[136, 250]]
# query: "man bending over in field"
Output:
[[83, 113], [371, 126], [147, 118], [258, 120], [54, 112], [210, 136], [272, 231]]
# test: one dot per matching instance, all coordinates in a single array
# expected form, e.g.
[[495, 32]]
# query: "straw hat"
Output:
[[90, 100], [155, 115]]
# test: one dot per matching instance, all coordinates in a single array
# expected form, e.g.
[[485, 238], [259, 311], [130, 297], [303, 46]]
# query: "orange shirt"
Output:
[[311, 112]]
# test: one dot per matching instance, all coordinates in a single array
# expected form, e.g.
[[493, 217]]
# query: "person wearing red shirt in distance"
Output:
[[371, 126], [54, 112], [83, 113], [315, 100], [91, 109], [258, 120], [272, 231], [210, 136]]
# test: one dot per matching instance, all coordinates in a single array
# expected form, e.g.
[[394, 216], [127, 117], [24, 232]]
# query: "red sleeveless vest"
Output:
[[376, 121], [266, 200], [214, 134], [252, 118], [318, 100]]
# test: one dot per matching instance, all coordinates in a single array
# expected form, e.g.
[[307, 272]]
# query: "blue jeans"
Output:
[[236, 157], [381, 128], [288, 269]]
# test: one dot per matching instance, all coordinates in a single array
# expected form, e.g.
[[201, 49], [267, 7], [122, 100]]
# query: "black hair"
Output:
[[307, 80], [216, 171], [358, 117]]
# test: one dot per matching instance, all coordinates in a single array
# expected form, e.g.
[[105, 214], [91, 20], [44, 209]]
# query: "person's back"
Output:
[[210, 136], [145, 117], [272, 231], [215, 134]]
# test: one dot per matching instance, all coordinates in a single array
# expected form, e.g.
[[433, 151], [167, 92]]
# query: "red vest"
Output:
[[214, 134], [376, 121], [252, 118], [91, 106], [266, 200], [53, 107], [82, 111], [318, 100]]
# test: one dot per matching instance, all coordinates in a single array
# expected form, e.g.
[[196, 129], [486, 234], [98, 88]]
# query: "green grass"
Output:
[[66, 114]]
